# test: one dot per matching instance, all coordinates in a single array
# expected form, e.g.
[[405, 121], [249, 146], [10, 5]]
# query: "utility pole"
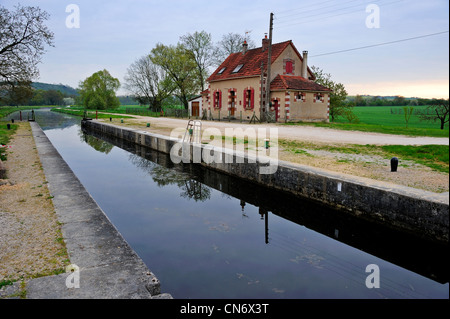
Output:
[[269, 62]]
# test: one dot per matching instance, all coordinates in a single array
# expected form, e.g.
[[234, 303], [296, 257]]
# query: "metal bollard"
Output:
[[394, 164]]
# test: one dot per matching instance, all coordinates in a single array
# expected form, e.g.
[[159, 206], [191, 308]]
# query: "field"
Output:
[[389, 120]]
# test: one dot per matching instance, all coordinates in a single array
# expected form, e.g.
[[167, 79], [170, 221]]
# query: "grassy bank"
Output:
[[387, 120], [91, 114], [6, 110]]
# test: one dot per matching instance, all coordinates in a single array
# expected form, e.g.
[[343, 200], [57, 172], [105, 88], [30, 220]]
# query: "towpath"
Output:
[[296, 132]]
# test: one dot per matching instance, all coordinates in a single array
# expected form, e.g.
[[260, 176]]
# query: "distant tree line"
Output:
[[360, 100]]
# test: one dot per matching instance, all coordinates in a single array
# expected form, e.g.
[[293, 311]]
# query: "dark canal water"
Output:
[[206, 235]]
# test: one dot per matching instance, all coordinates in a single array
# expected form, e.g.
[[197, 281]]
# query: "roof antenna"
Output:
[[246, 34]]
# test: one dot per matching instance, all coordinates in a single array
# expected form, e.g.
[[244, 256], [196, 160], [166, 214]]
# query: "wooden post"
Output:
[[269, 62]]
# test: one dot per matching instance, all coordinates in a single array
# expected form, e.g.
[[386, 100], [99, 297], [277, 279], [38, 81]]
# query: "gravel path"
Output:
[[300, 133], [29, 231]]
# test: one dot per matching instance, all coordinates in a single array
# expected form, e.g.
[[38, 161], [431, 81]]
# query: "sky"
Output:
[[373, 47]]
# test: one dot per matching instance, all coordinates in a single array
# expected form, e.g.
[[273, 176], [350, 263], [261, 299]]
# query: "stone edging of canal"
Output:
[[407, 209], [105, 266]]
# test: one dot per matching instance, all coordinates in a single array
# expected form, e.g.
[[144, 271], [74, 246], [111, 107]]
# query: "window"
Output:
[[319, 98], [238, 68], [249, 98], [289, 67], [221, 70], [217, 99], [300, 97]]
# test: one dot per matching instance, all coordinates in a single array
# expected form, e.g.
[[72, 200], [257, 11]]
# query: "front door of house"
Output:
[[276, 107], [195, 109], [233, 103]]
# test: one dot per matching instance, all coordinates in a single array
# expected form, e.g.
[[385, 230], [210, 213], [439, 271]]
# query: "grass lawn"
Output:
[[5, 136], [388, 120]]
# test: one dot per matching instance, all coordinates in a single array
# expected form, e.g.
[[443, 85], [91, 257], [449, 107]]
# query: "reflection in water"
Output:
[[207, 235], [404, 249], [163, 176], [97, 143]]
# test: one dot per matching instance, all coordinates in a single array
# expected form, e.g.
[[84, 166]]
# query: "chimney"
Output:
[[244, 47], [265, 43], [305, 65]]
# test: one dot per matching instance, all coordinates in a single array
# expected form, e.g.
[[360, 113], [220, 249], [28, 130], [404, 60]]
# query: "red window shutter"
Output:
[[252, 98], [220, 99], [289, 67], [245, 99]]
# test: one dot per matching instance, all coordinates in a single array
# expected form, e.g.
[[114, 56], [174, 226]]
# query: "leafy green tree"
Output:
[[338, 105], [200, 46], [18, 93], [99, 91], [180, 66], [53, 97]]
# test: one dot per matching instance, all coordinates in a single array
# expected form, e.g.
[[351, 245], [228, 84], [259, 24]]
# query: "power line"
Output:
[[321, 15], [301, 8], [384, 43], [322, 12], [311, 10]]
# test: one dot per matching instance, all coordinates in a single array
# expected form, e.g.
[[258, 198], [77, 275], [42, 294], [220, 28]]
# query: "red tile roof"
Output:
[[251, 62], [289, 82]]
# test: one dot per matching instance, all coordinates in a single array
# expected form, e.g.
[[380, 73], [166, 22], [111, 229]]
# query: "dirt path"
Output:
[[30, 236], [299, 133]]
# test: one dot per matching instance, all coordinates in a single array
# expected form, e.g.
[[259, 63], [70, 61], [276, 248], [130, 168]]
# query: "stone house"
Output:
[[237, 88]]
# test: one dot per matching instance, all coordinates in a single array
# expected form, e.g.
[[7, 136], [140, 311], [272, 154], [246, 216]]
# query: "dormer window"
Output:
[[221, 70], [238, 68]]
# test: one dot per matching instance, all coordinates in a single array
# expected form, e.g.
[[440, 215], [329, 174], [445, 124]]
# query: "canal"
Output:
[[208, 235]]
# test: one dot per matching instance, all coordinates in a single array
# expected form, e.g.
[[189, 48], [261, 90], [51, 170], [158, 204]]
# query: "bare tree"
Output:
[[23, 37], [149, 82], [437, 110], [200, 46], [230, 43]]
